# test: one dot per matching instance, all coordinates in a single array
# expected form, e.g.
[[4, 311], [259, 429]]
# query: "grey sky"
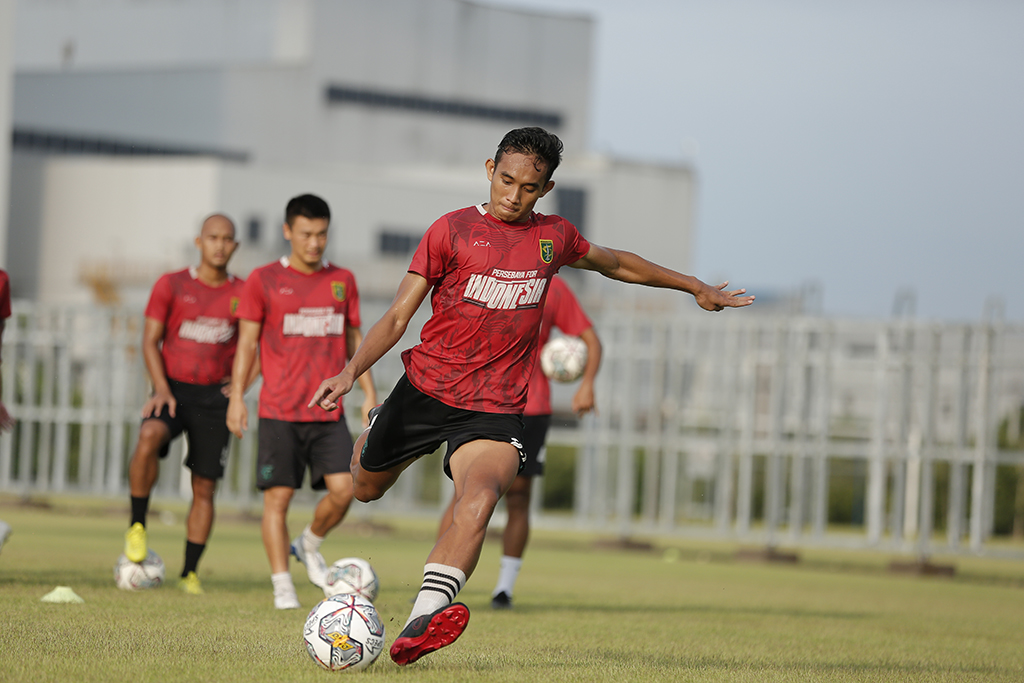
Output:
[[865, 146]]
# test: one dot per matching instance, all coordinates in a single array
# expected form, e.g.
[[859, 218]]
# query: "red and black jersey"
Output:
[[5, 295], [304, 317], [200, 328], [490, 280], [563, 311]]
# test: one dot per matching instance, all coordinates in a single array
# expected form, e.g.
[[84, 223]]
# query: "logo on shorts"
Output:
[[547, 251], [266, 472], [338, 290]]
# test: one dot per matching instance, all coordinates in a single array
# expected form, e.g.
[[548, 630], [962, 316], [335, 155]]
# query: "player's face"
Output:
[[309, 240], [217, 242], [517, 182]]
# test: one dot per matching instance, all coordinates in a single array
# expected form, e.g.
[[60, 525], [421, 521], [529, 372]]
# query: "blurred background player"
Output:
[[6, 421], [188, 344], [466, 381], [563, 311], [296, 313]]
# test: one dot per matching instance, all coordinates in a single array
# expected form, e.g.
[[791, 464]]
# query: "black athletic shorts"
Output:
[[410, 424], [287, 449], [535, 433], [202, 414]]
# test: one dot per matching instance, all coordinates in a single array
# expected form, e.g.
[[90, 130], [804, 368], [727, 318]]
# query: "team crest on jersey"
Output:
[[234, 305], [547, 251], [338, 290]]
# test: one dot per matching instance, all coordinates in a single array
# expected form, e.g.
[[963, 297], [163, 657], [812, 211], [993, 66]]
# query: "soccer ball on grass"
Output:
[[344, 632], [134, 576]]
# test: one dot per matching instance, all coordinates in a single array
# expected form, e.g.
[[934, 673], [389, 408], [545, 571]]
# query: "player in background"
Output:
[[188, 344], [296, 313], [6, 421], [466, 382], [563, 311]]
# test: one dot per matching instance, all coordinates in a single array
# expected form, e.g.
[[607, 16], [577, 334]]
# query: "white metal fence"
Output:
[[730, 425]]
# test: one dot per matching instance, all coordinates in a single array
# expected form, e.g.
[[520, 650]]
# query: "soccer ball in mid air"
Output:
[[352, 575], [134, 576], [344, 633], [563, 359]]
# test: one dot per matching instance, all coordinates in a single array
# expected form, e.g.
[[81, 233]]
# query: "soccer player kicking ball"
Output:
[[188, 343], [466, 382], [563, 311], [293, 312]]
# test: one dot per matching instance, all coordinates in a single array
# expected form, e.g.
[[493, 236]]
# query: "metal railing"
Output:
[[733, 426]]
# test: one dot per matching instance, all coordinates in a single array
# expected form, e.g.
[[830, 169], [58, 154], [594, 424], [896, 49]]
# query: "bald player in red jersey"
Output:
[[563, 311], [188, 344], [298, 312], [487, 270]]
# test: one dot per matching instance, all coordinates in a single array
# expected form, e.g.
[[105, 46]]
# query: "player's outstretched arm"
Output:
[[241, 371], [628, 267], [379, 339]]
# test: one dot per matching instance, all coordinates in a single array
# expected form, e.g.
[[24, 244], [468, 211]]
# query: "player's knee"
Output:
[[475, 508], [152, 437]]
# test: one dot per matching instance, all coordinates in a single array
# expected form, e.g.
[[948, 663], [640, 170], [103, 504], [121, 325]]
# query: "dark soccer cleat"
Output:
[[430, 632], [501, 601]]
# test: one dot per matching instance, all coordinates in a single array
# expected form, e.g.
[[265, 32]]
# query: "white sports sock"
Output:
[[311, 540], [510, 567], [282, 582], [441, 584]]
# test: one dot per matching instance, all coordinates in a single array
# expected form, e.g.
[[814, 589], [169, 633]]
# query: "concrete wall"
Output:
[[115, 222]]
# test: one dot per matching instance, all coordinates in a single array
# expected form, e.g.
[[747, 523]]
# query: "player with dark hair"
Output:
[[563, 311], [188, 343], [294, 312], [466, 382]]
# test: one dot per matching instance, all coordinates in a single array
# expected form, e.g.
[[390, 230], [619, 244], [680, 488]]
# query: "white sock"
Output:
[[282, 582], [510, 567], [311, 540], [441, 584]]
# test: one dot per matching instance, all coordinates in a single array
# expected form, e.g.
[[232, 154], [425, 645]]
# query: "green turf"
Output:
[[583, 612]]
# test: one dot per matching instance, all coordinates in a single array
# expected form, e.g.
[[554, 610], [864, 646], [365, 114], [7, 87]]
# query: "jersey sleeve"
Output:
[[352, 314], [160, 299], [432, 254], [576, 246], [252, 304]]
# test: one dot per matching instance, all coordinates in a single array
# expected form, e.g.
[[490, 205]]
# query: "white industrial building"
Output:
[[133, 120]]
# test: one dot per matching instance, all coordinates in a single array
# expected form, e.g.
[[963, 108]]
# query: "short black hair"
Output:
[[308, 206], [535, 142]]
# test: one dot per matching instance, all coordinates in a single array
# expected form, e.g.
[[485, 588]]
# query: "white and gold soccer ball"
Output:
[[344, 633], [352, 575], [563, 359], [135, 576]]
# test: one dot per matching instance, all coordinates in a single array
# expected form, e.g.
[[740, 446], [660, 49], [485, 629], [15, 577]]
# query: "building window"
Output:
[[340, 94], [571, 204], [253, 230], [398, 242]]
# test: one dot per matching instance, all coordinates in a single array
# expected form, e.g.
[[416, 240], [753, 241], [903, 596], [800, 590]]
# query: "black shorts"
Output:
[[535, 433], [287, 448], [410, 424], [202, 414]]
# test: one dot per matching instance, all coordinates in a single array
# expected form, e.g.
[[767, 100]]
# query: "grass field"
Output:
[[583, 613]]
